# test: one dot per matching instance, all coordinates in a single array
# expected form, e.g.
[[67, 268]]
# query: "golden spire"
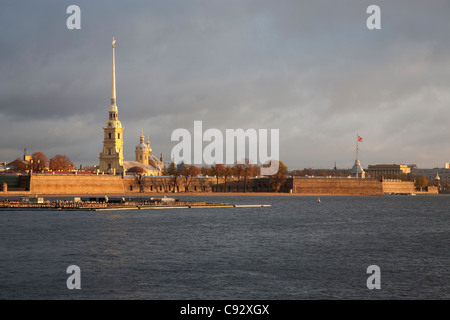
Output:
[[113, 85]]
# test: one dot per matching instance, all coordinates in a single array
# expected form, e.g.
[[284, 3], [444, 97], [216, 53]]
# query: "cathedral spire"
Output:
[[113, 85], [111, 157]]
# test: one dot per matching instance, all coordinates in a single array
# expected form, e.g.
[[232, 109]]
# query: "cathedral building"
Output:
[[145, 159], [111, 157]]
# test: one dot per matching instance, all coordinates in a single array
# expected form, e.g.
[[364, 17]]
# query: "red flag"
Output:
[[359, 139]]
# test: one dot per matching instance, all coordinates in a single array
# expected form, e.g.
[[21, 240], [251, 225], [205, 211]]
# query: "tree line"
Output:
[[242, 173], [40, 162]]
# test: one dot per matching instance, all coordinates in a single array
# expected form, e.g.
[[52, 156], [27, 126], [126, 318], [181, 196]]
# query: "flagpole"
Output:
[[357, 147]]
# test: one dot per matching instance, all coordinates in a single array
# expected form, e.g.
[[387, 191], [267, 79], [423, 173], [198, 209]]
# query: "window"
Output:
[[109, 151], [118, 135], [140, 157], [109, 135], [109, 165]]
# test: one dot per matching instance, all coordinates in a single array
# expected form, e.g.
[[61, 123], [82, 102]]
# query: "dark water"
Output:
[[296, 249]]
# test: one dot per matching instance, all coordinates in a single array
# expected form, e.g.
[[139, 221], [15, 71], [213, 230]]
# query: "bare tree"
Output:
[[61, 163], [188, 172], [277, 180], [174, 172], [250, 171], [39, 161], [139, 177], [238, 171], [206, 171], [227, 173], [217, 170]]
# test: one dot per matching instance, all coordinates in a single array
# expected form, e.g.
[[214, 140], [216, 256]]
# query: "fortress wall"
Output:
[[104, 184], [398, 187], [198, 185], [76, 184], [337, 186], [166, 184]]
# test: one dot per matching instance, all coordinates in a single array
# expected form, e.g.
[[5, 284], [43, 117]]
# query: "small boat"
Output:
[[318, 200]]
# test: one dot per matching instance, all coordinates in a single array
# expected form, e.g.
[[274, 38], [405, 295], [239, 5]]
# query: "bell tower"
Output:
[[142, 150], [111, 157]]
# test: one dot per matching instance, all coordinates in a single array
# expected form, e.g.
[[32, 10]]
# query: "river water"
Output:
[[295, 249]]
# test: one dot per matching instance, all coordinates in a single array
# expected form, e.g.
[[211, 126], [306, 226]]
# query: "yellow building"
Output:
[[143, 150], [388, 169], [145, 159], [111, 157]]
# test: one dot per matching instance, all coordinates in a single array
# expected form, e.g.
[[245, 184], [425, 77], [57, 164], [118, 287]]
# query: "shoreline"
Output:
[[181, 194]]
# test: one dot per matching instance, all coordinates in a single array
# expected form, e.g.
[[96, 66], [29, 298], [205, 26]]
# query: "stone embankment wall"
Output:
[[105, 184], [73, 184], [350, 186], [398, 187], [337, 186]]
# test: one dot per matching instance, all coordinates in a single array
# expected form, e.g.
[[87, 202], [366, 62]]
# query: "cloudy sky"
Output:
[[311, 69]]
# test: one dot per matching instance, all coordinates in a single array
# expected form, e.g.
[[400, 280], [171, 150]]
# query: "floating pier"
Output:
[[114, 204]]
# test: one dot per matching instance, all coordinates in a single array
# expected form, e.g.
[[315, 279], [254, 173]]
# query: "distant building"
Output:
[[357, 171], [18, 165], [431, 174], [388, 169]]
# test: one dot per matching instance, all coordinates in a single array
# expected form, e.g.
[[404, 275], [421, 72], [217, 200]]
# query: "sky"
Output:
[[311, 69]]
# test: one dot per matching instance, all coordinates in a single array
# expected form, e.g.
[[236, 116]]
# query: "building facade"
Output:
[[442, 174], [379, 170]]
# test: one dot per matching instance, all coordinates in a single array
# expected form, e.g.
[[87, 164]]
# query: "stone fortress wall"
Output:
[[110, 184]]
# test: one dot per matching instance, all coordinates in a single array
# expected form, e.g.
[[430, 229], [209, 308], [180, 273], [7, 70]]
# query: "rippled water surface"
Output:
[[295, 249]]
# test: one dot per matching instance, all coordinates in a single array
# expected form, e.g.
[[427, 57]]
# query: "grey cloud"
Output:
[[310, 68]]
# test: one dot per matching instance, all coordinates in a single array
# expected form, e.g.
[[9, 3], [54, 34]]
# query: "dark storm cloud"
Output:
[[310, 68]]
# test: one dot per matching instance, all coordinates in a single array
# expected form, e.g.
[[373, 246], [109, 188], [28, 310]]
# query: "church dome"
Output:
[[136, 169], [141, 147]]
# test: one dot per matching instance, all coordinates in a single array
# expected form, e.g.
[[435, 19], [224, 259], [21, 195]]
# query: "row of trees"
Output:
[[241, 172], [186, 172], [57, 163]]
